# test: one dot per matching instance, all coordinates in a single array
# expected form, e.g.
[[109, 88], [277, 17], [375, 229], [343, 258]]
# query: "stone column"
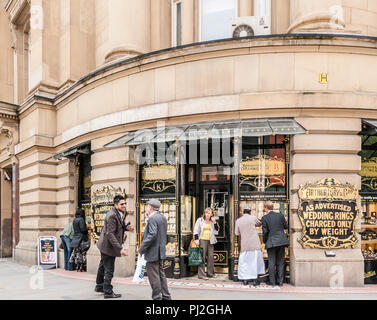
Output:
[[316, 16], [188, 34], [122, 29], [330, 150], [5, 213], [245, 8], [115, 167], [160, 24]]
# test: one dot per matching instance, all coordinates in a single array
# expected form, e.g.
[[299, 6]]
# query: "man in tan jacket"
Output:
[[250, 262]]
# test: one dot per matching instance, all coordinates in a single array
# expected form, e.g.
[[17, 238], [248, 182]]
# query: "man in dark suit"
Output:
[[273, 225], [153, 248], [110, 245]]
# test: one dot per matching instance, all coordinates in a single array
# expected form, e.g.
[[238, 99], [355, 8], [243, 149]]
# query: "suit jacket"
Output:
[[80, 232], [111, 238], [245, 227], [154, 238], [273, 225]]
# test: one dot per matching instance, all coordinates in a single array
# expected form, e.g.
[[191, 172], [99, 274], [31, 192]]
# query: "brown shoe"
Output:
[[112, 295]]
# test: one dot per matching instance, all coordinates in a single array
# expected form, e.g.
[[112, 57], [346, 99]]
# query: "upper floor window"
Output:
[[177, 23], [215, 16]]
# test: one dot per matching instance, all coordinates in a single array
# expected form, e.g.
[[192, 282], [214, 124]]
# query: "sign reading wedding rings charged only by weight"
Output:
[[328, 213], [102, 203]]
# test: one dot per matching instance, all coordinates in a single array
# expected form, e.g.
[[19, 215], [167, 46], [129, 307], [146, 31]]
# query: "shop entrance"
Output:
[[216, 196]]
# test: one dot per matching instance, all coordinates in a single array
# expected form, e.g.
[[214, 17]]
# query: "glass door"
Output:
[[217, 197]]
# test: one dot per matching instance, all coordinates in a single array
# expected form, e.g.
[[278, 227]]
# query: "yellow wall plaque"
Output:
[[324, 77]]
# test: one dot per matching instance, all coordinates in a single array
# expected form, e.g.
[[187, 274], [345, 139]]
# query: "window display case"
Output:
[[168, 209], [369, 240], [256, 208]]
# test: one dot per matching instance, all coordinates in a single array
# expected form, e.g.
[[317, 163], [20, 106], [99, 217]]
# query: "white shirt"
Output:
[[121, 214]]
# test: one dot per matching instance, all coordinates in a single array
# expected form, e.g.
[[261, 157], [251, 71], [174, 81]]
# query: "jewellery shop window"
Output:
[[158, 181], [85, 184], [263, 172], [368, 194]]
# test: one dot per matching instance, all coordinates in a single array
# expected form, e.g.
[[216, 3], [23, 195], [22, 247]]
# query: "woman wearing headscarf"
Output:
[[79, 238], [204, 234]]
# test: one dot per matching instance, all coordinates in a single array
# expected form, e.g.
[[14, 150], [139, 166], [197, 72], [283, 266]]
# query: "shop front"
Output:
[[368, 195], [227, 166]]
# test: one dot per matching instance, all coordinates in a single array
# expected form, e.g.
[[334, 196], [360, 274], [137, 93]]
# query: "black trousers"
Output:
[[276, 259], [105, 273]]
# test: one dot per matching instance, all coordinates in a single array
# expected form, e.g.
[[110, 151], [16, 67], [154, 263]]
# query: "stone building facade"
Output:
[[75, 72]]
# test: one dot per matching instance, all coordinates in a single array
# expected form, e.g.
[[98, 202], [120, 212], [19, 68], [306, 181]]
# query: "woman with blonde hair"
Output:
[[204, 235]]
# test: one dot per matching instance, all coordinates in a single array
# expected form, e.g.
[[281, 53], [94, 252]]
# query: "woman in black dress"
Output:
[[80, 241]]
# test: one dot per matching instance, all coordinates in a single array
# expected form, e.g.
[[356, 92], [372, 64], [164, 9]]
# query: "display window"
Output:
[[368, 195]]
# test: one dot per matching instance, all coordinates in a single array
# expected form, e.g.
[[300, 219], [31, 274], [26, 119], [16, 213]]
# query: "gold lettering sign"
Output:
[[159, 172], [102, 202], [328, 213], [369, 168], [263, 165]]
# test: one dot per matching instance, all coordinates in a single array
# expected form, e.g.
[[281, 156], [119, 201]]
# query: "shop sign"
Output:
[[369, 168], [328, 213], [369, 173], [47, 251], [158, 177], [263, 165], [159, 172], [103, 202]]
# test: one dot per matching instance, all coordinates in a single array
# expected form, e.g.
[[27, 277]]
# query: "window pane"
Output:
[[216, 15], [179, 24]]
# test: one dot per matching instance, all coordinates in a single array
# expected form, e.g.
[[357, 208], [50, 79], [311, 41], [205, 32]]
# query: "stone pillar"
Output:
[[76, 40], [188, 18], [329, 150], [316, 16], [122, 29], [160, 24], [115, 167], [6, 213], [245, 8], [6, 59], [44, 45]]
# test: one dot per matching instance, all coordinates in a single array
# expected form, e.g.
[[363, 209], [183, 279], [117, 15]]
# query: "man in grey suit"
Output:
[[153, 248], [273, 225]]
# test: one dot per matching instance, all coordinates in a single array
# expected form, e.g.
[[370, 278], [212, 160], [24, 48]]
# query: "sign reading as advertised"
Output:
[[47, 252], [328, 213], [102, 202]]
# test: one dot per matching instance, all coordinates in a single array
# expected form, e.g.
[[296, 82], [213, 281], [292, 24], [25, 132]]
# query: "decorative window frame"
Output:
[[174, 6]]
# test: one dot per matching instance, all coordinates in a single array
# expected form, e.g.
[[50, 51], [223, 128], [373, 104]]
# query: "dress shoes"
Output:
[[112, 295], [98, 289]]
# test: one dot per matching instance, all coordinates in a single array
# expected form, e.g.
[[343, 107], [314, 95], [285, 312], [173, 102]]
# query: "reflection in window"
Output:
[[215, 18], [177, 23]]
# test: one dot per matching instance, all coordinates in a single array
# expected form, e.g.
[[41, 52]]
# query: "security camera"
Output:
[[6, 176]]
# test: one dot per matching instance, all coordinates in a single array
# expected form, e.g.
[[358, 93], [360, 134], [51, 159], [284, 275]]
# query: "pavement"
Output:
[[19, 282]]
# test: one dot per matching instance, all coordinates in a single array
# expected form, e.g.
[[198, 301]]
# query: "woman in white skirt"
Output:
[[250, 262]]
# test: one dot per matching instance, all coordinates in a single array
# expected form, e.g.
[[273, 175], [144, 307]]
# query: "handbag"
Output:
[[85, 245], [195, 255]]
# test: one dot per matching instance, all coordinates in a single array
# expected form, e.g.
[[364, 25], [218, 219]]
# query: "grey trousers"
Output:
[[157, 280], [208, 258]]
